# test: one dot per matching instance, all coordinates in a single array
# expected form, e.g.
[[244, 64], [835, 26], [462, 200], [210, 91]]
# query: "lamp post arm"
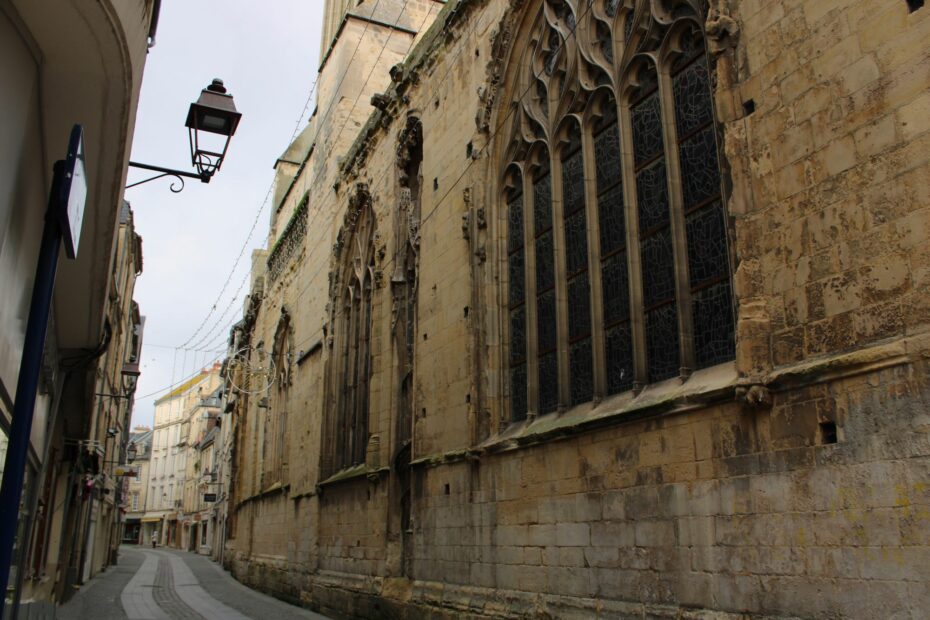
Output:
[[168, 172]]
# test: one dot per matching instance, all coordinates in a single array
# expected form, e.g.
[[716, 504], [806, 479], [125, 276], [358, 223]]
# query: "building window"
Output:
[[617, 254], [350, 367], [135, 502]]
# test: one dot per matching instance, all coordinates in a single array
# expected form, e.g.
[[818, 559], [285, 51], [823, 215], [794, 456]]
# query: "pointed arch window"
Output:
[[352, 335], [617, 256]]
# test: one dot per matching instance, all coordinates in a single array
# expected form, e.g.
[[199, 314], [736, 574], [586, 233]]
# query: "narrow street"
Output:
[[158, 584]]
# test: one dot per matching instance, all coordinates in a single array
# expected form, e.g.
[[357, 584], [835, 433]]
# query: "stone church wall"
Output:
[[792, 482]]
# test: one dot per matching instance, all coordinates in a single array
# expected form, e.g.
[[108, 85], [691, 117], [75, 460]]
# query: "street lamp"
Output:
[[214, 112], [131, 452]]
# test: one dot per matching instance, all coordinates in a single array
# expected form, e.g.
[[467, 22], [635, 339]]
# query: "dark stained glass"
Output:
[[713, 325], [662, 342], [515, 223], [616, 288], [517, 279], [582, 371], [700, 173], [579, 306], [542, 203], [612, 221], [607, 154], [652, 196], [552, 52], [610, 7], [518, 392], [567, 16], [573, 182], [619, 347], [691, 90], [542, 95], [548, 383], [545, 321], [605, 41], [627, 26], [576, 242], [707, 246], [545, 265], [647, 129], [518, 335], [692, 45], [658, 268]]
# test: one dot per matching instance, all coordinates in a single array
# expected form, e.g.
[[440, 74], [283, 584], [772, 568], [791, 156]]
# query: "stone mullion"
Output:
[[634, 258], [561, 280], [596, 294], [677, 223], [529, 289]]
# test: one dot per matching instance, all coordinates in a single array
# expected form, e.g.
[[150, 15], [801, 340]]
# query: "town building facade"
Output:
[[174, 466], [601, 308], [135, 495], [62, 65]]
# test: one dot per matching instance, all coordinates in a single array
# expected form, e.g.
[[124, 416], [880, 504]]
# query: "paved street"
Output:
[[157, 584]]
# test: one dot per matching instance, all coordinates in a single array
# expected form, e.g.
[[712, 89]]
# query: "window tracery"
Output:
[[350, 365], [617, 257]]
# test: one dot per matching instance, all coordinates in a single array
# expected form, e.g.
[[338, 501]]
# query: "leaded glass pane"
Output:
[[573, 182], [707, 245], [652, 196], [700, 174], [610, 7], [553, 52], [582, 371], [607, 156], [616, 288], [627, 26], [545, 321], [545, 265], [515, 223], [579, 306], [647, 129], [542, 203], [518, 392], [691, 90], [576, 242], [619, 358], [658, 264], [518, 335], [612, 221], [713, 325], [517, 279], [548, 383], [662, 342], [605, 41]]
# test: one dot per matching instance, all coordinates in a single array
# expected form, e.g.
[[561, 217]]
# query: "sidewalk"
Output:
[[158, 584]]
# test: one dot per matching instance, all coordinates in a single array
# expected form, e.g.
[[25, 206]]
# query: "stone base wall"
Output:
[[817, 506]]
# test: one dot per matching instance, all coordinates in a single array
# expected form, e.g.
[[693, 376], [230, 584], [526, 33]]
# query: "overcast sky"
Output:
[[267, 54]]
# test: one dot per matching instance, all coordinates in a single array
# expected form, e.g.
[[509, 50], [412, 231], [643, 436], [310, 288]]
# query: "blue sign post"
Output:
[[63, 220]]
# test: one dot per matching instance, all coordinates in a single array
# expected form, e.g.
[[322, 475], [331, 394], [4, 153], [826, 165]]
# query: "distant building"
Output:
[[135, 496], [171, 455]]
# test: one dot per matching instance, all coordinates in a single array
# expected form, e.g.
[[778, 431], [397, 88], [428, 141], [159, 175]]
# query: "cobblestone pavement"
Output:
[[161, 584]]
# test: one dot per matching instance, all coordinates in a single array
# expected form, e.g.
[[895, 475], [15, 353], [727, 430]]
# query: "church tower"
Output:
[[362, 40]]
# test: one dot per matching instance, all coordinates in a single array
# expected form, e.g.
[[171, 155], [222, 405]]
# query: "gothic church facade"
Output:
[[597, 309]]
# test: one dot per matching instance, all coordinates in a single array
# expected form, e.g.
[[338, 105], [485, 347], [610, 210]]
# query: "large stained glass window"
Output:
[[617, 238], [575, 227], [546, 327], [615, 282], [516, 301], [655, 234]]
